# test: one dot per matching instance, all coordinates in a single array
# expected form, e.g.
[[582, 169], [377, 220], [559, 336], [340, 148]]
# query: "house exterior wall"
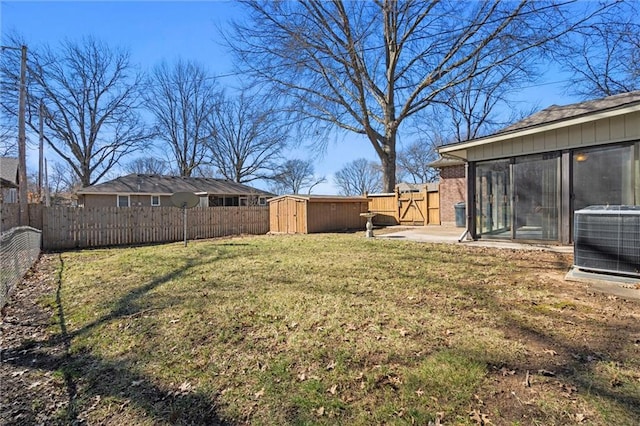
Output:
[[110, 200], [91, 200], [453, 187], [527, 185], [605, 131]]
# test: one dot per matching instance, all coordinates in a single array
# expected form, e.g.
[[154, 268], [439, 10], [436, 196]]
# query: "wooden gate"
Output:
[[412, 208], [408, 205]]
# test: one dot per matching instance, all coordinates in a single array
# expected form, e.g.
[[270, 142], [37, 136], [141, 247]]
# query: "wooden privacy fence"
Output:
[[418, 206], [65, 227], [73, 227]]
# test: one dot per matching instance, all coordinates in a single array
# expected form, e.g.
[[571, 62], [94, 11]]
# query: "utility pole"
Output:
[[22, 140], [22, 137], [40, 150]]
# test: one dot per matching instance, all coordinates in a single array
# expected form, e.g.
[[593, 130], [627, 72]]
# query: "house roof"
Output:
[[167, 185], [445, 162], [8, 172], [322, 198], [555, 117], [563, 112]]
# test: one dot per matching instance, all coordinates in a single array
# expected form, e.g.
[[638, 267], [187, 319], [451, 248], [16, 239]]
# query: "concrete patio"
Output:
[[625, 287], [451, 234]]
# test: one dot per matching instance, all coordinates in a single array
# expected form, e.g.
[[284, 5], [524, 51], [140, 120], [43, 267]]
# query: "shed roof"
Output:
[[555, 117], [322, 198], [8, 172], [167, 185]]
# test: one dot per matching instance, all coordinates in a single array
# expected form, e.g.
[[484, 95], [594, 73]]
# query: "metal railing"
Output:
[[19, 250]]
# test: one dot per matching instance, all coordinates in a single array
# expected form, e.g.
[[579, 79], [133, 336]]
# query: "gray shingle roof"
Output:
[[157, 184], [558, 113], [446, 162], [8, 172]]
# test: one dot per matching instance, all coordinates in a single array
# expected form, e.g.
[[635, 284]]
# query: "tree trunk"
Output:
[[388, 160]]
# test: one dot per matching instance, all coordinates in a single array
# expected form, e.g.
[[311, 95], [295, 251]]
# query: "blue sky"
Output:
[[166, 30]]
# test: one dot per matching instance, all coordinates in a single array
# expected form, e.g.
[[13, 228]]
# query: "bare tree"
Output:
[[414, 161], [293, 176], [359, 177], [146, 166], [367, 67], [8, 144], [91, 95], [247, 136], [62, 179], [604, 59], [182, 98], [474, 104]]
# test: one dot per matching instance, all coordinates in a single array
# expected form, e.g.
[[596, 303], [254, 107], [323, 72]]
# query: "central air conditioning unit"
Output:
[[607, 239]]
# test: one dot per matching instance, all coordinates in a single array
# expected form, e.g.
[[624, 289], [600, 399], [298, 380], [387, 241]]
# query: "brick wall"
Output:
[[453, 188]]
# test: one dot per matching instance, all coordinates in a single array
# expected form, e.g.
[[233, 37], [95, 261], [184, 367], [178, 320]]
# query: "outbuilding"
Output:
[[306, 214]]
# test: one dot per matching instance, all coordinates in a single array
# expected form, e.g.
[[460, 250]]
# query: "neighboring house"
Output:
[[452, 188], [8, 180], [527, 180], [154, 190]]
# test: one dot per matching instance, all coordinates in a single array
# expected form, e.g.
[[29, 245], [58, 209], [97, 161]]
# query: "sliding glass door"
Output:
[[493, 211], [536, 198], [518, 198]]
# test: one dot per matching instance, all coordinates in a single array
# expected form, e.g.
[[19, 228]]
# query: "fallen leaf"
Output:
[[480, 418], [579, 418], [302, 377], [506, 372], [331, 365], [320, 411], [403, 332], [185, 387], [259, 393], [550, 352], [419, 392], [332, 390]]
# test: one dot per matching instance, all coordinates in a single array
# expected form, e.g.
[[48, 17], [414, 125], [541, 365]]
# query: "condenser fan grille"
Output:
[[607, 239]]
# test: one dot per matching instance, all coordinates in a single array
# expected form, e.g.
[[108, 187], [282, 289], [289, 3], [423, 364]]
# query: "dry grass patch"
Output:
[[338, 329]]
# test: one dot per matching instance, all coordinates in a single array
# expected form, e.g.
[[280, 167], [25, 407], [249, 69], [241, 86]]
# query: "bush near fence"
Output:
[[19, 250]]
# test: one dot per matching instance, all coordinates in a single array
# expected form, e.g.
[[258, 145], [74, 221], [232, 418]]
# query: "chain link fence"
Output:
[[19, 249]]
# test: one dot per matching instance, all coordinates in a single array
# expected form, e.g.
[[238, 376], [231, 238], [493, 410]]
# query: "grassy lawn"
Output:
[[337, 329]]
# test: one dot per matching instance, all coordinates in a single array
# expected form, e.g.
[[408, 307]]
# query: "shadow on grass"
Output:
[[577, 358], [88, 378]]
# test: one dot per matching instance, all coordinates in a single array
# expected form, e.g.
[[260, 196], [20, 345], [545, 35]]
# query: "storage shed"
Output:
[[306, 214]]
